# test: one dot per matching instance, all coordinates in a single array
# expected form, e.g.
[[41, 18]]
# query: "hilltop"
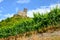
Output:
[[25, 26]]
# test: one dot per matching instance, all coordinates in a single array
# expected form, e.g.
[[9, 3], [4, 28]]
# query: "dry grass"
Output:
[[34, 35]]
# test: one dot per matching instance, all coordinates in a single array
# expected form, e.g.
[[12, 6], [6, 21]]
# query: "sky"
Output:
[[10, 7]]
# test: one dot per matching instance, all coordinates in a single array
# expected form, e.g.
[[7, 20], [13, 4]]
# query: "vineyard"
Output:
[[40, 23]]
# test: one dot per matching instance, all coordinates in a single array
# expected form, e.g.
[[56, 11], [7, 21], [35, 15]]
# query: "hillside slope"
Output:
[[23, 25]]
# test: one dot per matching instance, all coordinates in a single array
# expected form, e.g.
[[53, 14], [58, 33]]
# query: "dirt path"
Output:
[[46, 36]]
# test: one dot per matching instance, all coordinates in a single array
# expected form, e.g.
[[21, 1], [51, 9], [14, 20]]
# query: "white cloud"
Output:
[[23, 1], [30, 13], [5, 16], [0, 19], [54, 5], [8, 15], [1, 1], [42, 9]]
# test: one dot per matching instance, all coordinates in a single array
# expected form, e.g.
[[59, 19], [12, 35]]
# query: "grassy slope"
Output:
[[20, 25]]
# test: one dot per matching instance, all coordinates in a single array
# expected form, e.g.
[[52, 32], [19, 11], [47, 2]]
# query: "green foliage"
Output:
[[19, 25]]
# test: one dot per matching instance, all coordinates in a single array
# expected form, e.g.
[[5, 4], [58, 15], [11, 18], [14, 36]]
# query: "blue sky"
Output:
[[10, 7]]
